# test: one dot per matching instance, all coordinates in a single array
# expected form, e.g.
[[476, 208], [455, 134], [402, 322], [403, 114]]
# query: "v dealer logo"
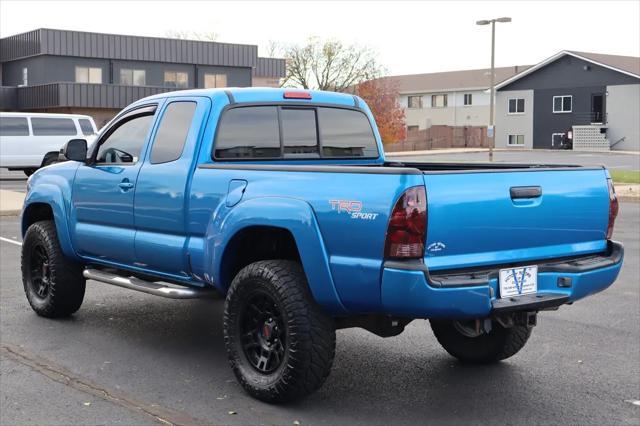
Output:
[[519, 283]]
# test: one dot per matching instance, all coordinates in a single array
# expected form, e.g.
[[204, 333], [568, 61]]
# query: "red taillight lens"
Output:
[[613, 208], [407, 225]]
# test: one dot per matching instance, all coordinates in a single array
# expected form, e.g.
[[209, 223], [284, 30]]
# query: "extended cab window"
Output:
[[125, 143], [250, 132], [173, 132], [346, 133]]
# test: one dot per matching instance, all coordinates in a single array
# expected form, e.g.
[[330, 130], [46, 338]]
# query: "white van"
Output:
[[29, 141]]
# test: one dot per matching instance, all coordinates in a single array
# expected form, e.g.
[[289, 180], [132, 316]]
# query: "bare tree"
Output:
[[192, 35], [327, 64]]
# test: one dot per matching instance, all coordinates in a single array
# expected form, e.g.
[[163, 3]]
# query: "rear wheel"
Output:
[[29, 172], [53, 284], [460, 341], [279, 342]]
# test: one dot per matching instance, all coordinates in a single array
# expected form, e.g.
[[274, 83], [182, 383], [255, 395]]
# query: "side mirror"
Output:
[[75, 150]]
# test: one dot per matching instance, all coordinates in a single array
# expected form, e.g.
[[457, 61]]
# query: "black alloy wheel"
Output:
[[263, 333]]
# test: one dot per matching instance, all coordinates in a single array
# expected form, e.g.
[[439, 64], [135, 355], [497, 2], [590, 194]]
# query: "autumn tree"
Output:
[[326, 64], [382, 97]]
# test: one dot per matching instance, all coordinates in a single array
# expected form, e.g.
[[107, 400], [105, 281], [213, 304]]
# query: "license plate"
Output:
[[518, 281]]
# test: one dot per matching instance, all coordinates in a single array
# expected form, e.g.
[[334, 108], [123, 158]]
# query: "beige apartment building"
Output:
[[453, 98]]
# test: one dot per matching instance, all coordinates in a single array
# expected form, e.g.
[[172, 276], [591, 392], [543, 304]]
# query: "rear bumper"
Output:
[[409, 290]]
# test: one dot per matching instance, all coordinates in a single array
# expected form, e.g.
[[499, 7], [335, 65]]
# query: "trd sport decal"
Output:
[[353, 208]]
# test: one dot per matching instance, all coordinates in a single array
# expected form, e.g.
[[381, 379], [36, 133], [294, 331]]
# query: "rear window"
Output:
[[262, 132], [250, 132], [86, 127], [14, 126], [299, 133], [53, 126]]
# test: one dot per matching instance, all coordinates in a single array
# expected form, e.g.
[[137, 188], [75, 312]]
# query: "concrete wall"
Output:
[[623, 110], [514, 124], [455, 114]]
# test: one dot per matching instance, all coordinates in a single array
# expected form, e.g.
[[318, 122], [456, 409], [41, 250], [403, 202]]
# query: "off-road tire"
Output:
[[500, 343], [310, 333], [66, 284]]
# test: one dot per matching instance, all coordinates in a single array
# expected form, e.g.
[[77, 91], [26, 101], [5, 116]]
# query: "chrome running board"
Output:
[[149, 287]]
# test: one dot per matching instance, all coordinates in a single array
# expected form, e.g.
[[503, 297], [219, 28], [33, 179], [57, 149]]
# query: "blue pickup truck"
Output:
[[283, 203]]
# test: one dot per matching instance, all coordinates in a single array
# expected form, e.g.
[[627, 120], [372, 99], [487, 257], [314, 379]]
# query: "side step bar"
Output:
[[149, 287]]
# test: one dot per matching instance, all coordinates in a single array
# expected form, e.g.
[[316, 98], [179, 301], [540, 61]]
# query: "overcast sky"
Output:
[[410, 37]]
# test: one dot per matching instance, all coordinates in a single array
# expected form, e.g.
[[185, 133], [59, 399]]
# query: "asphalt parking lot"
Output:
[[127, 358]]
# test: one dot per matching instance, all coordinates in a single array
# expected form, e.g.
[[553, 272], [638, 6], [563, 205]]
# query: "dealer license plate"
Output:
[[518, 281]]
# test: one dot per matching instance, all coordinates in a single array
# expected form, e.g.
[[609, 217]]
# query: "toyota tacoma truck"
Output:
[[282, 202]]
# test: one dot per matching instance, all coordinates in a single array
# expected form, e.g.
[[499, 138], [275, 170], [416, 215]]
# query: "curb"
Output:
[[10, 212]]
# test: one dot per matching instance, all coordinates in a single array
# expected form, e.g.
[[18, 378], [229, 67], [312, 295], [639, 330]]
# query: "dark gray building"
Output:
[[594, 98], [49, 70]]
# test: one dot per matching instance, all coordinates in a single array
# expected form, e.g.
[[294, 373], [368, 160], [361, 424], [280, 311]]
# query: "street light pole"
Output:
[[493, 78], [491, 94]]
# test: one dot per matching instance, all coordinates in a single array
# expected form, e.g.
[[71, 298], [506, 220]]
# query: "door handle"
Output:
[[519, 192], [125, 185]]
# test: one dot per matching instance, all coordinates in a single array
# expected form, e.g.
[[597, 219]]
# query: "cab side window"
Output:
[[125, 143], [173, 131]]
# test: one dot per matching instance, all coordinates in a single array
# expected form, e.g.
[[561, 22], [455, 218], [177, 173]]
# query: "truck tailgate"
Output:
[[495, 217]]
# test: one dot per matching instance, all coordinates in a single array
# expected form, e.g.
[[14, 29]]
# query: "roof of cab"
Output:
[[262, 94]]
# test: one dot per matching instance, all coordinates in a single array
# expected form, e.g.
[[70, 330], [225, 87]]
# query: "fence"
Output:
[[438, 137]]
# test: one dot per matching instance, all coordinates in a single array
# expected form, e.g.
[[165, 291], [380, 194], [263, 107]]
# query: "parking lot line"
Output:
[[7, 240]]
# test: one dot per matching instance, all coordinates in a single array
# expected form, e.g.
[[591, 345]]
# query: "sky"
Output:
[[409, 37]]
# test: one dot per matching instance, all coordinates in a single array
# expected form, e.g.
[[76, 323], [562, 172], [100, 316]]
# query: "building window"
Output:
[[176, 79], [414, 101], [562, 103], [412, 128], [438, 101], [131, 77], [516, 140], [516, 106], [212, 81], [25, 76], [468, 99], [88, 75]]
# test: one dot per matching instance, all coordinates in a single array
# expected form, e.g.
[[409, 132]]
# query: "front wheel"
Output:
[[498, 344], [279, 342], [54, 284]]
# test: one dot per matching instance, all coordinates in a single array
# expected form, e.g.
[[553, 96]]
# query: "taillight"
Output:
[[407, 225], [613, 208]]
